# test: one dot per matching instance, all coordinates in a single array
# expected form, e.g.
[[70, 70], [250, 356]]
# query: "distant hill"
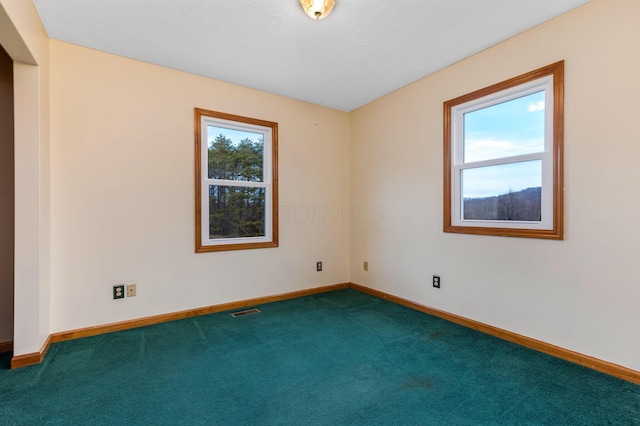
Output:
[[523, 205]]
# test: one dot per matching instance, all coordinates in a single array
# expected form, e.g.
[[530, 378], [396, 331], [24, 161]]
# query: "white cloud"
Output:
[[536, 106], [485, 149]]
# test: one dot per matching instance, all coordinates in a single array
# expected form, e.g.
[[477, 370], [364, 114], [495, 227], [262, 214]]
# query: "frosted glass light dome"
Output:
[[317, 9]]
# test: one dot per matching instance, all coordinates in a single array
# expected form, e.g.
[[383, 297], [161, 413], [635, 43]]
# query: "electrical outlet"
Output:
[[366, 266], [131, 290], [436, 281], [318, 266], [118, 291]]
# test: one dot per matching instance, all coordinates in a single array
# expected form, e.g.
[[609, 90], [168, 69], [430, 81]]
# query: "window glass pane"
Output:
[[235, 154], [504, 192], [236, 211], [515, 127]]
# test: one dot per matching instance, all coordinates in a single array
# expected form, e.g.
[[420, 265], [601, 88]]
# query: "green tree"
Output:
[[236, 211]]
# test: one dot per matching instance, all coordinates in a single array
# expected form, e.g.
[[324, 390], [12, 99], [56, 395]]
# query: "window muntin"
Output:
[[503, 158], [236, 182]]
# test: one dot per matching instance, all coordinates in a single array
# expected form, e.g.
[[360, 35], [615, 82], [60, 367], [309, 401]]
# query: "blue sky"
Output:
[[511, 128], [235, 135]]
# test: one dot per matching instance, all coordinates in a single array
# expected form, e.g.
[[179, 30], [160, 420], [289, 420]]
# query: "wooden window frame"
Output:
[[271, 181], [556, 228]]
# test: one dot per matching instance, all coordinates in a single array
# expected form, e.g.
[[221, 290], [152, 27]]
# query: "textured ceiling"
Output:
[[363, 50]]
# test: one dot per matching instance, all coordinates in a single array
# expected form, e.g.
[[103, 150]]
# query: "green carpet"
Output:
[[340, 358]]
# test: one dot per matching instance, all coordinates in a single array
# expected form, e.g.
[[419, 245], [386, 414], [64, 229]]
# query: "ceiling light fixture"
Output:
[[317, 9]]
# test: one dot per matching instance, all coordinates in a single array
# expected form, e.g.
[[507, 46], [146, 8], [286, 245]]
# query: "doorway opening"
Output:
[[7, 203]]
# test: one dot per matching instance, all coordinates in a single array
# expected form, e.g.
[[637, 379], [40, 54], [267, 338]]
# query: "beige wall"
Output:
[[6, 197], [581, 293], [24, 39], [123, 192]]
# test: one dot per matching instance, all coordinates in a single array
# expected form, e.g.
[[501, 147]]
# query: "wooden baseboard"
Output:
[[156, 319], [611, 369], [37, 357], [575, 357], [6, 347], [32, 358]]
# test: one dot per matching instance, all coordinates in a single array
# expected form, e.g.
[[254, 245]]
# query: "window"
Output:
[[236, 182], [503, 157]]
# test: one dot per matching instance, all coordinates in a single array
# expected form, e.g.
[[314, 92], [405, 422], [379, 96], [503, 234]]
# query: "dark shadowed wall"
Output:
[[6, 197]]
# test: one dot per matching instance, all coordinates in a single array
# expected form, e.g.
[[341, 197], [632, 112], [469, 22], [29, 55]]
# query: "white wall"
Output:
[[24, 39], [582, 293], [123, 192]]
